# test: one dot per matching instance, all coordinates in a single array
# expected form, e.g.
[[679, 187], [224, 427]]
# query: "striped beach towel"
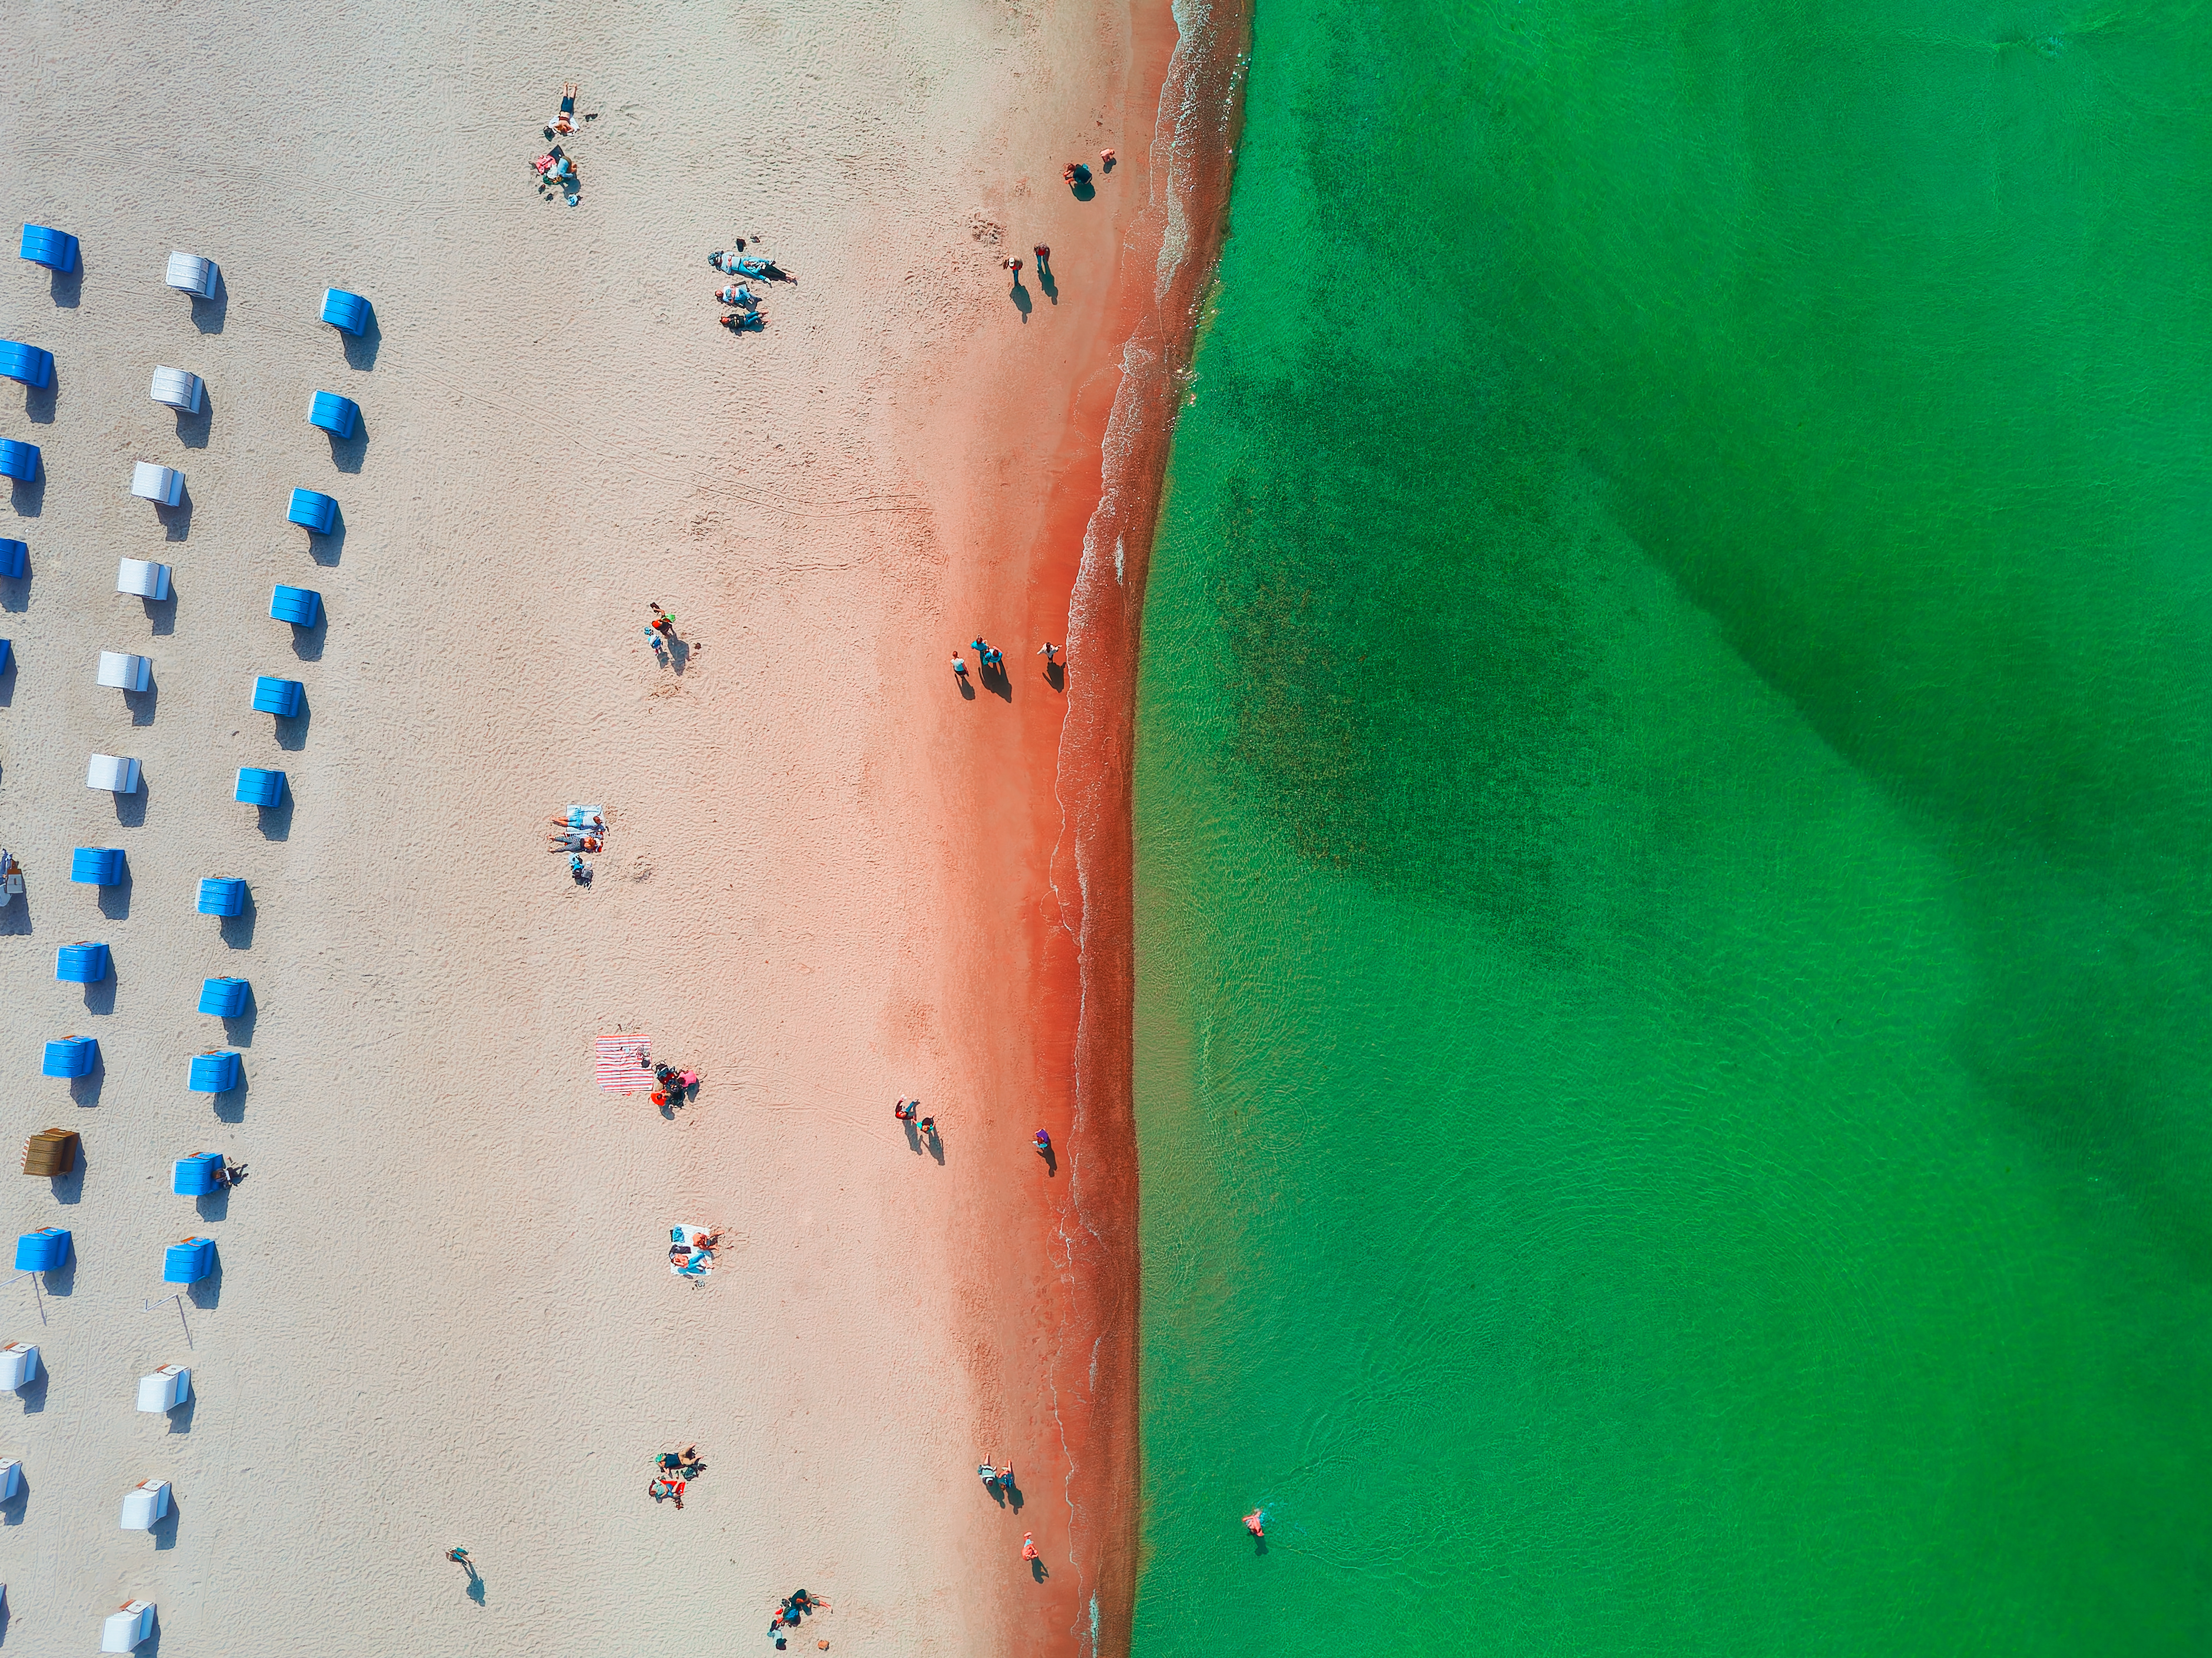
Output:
[[623, 1062]]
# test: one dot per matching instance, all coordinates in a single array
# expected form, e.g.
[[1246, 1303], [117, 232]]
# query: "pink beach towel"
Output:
[[623, 1062]]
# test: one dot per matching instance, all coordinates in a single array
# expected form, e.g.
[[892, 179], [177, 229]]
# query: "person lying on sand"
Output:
[[736, 293], [573, 841], [744, 322], [566, 120], [668, 1488], [737, 265]]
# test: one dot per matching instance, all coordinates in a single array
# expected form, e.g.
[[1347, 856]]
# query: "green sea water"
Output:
[[1675, 842]]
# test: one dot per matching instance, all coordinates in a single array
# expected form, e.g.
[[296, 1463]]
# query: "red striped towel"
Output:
[[623, 1062]]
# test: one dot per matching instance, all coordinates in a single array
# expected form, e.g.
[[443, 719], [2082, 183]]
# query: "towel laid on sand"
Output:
[[623, 1062]]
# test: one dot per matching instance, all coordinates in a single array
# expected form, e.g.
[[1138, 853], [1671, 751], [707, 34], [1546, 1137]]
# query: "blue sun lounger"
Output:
[[223, 895], [19, 461], [279, 696], [258, 786], [44, 245], [32, 364], [214, 1072], [225, 997], [15, 560], [188, 1260], [313, 509], [70, 1056], [195, 1176], [97, 866], [84, 963], [343, 310], [44, 1251], [334, 414], [301, 607]]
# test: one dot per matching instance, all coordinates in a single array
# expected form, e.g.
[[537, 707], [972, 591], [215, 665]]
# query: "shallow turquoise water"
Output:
[[1673, 821]]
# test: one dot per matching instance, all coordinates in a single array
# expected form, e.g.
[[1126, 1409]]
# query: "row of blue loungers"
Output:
[[186, 1261]]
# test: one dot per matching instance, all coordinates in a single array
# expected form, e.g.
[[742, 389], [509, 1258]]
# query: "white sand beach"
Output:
[[443, 1314]]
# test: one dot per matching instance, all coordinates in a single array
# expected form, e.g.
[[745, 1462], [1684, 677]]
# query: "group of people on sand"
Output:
[[910, 1112], [989, 657], [792, 1607], [692, 1249], [672, 1470], [571, 835], [743, 315], [1077, 176], [671, 1087], [556, 168], [577, 832], [670, 647], [1043, 255]]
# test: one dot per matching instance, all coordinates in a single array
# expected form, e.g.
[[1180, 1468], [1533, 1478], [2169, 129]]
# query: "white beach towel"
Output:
[[623, 1062]]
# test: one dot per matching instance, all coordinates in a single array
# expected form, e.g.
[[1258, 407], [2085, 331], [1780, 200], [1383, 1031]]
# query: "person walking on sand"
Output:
[[459, 1557], [1256, 1522], [1048, 651], [1043, 255], [926, 1127], [959, 669], [1014, 265], [1043, 1144], [907, 1110], [1106, 161], [664, 622], [1028, 1547]]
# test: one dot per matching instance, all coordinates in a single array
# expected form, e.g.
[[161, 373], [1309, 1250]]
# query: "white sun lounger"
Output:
[[179, 388], [163, 485], [144, 1503], [18, 1364], [120, 671], [142, 578], [192, 273], [166, 1389], [116, 775], [126, 1626]]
